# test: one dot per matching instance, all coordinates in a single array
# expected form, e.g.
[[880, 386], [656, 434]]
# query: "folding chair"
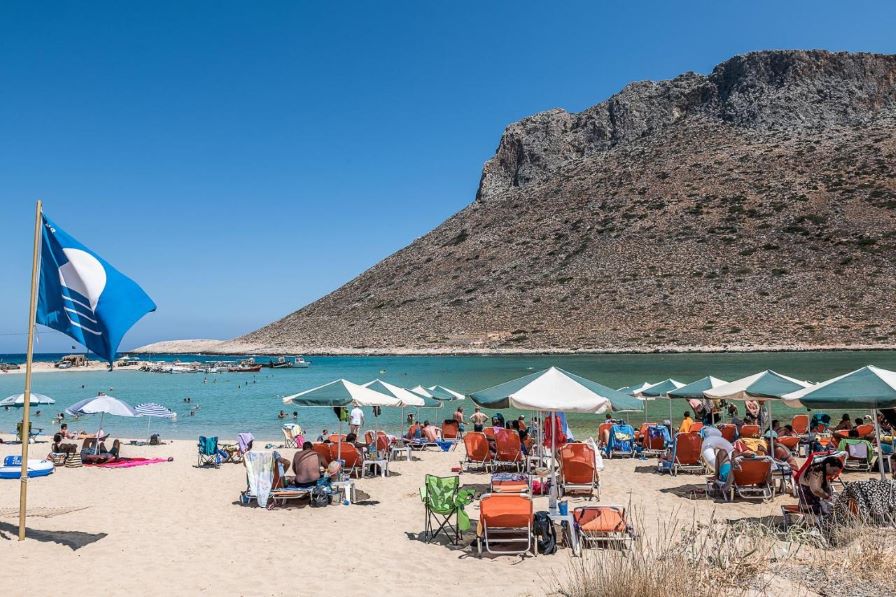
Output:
[[208, 451], [443, 499]]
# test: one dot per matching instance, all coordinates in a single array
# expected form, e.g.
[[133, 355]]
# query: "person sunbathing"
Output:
[[429, 432], [61, 448], [91, 454], [307, 465]]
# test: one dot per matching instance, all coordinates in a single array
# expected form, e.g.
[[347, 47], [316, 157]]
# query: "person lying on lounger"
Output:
[[429, 432]]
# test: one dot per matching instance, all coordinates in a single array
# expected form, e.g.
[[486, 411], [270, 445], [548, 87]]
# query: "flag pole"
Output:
[[26, 412]]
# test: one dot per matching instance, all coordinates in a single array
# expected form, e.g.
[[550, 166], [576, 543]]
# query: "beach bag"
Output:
[[545, 535], [154, 439], [73, 461], [320, 497]]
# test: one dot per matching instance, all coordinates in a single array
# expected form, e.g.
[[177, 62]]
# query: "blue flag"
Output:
[[84, 297]]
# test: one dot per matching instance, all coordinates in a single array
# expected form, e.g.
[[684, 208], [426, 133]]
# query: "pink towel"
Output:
[[130, 462]]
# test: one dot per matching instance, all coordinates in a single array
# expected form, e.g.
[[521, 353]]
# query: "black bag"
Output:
[[546, 537], [320, 497], [154, 439]]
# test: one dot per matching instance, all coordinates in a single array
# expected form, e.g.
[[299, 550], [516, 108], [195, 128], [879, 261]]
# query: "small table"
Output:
[[347, 487], [406, 450], [383, 463], [570, 524]]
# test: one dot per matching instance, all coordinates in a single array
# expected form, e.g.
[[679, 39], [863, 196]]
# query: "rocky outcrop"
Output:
[[752, 207], [764, 91]]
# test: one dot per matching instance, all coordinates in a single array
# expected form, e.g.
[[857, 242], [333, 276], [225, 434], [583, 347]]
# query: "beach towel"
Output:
[[128, 462], [243, 440], [260, 475], [873, 500]]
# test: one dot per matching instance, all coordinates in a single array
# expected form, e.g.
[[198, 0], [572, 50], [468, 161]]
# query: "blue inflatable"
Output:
[[12, 468]]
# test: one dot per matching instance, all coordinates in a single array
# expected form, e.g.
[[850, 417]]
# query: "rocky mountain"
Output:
[[752, 207]]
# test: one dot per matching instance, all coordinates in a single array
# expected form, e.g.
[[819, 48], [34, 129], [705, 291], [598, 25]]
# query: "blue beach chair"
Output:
[[208, 451], [622, 441]]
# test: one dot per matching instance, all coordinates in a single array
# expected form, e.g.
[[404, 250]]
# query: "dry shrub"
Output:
[[696, 559]]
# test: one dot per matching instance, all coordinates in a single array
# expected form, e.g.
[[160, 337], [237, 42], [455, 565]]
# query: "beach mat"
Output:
[[129, 462]]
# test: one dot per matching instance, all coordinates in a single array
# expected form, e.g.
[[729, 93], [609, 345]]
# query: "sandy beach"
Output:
[[173, 528]]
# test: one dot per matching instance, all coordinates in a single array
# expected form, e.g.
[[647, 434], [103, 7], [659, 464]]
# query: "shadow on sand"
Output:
[[72, 539]]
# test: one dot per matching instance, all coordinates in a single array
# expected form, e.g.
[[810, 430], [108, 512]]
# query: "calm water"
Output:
[[234, 402]]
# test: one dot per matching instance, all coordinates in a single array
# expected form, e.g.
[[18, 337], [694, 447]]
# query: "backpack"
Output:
[[154, 439], [546, 537]]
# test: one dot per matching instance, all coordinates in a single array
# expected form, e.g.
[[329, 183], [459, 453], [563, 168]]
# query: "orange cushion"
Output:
[[600, 520]]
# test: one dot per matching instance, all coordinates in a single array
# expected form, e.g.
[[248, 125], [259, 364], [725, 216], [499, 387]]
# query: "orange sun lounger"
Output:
[[577, 471], [505, 519], [603, 524], [478, 454], [752, 478], [509, 451]]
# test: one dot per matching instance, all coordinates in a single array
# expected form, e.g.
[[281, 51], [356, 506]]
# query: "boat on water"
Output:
[[287, 363], [246, 366]]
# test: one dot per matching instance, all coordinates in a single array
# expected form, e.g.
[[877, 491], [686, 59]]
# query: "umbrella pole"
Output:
[[552, 501], [96, 445], [771, 435], [880, 452]]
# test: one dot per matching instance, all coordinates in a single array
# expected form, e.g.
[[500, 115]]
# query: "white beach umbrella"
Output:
[[418, 389], [102, 404], [554, 390], [18, 400], [443, 393], [405, 397]]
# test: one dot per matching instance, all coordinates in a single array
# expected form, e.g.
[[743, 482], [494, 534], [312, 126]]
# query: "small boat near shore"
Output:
[[246, 366], [297, 362]]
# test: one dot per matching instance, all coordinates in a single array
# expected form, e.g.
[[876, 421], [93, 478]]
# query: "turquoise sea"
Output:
[[233, 402]]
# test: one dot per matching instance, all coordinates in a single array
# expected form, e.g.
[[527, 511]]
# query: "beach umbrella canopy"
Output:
[[429, 401], [421, 391], [151, 409], [635, 390], [869, 387], [695, 389], [759, 386], [405, 397], [18, 400], [341, 393], [102, 404], [555, 390], [445, 394], [661, 388]]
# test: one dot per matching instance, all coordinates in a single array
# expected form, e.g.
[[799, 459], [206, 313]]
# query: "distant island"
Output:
[[753, 208]]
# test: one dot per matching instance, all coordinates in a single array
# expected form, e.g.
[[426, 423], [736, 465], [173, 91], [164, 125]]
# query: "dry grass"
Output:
[[745, 557], [697, 559]]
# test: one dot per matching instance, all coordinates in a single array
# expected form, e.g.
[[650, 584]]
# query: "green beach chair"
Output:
[[859, 454], [444, 498]]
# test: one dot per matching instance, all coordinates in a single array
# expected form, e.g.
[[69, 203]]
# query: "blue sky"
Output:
[[241, 159]]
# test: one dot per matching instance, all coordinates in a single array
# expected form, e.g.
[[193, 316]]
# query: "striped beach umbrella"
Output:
[[152, 409]]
